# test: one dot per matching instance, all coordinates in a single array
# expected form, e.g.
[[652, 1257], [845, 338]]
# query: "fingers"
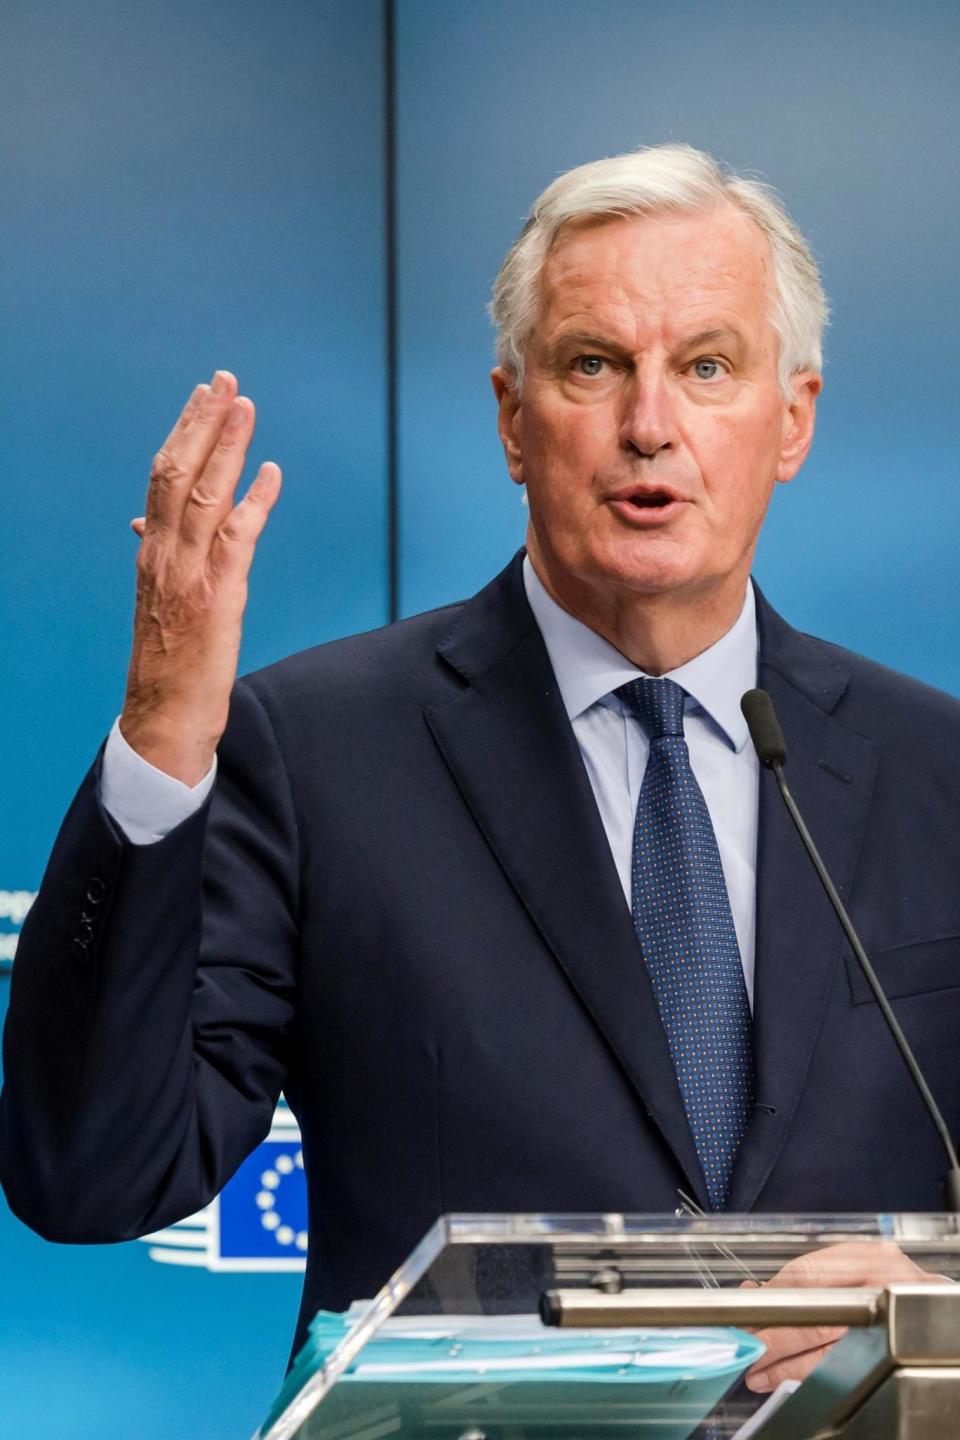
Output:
[[188, 414], [210, 498], [185, 452], [792, 1353], [793, 1363], [239, 531], [851, 1263], [784, 1342], [195, 475]]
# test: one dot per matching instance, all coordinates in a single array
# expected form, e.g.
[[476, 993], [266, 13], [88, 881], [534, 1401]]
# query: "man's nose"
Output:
[[649, 420]]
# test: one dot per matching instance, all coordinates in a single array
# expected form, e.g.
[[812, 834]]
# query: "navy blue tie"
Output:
[[681, 912]]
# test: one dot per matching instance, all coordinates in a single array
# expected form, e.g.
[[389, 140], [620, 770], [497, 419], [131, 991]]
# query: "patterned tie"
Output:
[[681, 911]]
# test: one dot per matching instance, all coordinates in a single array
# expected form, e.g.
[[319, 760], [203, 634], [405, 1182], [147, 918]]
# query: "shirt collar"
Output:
[[588, 668]]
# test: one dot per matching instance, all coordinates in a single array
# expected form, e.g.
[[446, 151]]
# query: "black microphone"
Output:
[[771, 751]]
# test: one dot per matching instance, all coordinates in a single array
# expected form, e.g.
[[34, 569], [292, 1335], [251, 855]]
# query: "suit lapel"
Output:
[[511, 749], [831, 772]]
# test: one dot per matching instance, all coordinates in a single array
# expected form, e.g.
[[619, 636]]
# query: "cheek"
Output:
[[558, 428], [562, 453], [739, 463]]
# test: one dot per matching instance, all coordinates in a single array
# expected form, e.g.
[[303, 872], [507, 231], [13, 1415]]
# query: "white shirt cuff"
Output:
[[146, 803]]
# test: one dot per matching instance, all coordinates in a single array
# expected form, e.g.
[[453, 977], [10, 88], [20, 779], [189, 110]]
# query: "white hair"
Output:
[[655, 180]]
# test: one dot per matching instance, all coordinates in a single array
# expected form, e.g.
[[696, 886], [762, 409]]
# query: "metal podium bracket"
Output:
[[897, 1381], [896, 1376]]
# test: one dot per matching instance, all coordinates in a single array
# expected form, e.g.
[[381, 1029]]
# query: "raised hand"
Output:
[[195, 554]]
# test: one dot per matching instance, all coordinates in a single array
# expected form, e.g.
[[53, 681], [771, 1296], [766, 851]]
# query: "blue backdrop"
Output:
[[202, 184]]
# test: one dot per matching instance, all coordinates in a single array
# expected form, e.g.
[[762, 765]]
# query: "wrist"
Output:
[[171, 746]]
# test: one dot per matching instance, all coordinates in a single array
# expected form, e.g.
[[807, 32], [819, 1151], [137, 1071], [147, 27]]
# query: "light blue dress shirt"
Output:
[[615, 747]]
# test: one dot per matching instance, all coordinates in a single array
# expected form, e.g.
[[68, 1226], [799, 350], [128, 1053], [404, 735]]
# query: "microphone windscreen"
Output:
[[764, 728]]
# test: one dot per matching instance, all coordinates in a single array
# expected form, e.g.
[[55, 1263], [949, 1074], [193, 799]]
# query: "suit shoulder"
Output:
[[893, 700], [391, 657]]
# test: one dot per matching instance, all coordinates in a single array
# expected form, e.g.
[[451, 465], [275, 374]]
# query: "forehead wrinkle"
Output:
[[632, 331], [704, 290]]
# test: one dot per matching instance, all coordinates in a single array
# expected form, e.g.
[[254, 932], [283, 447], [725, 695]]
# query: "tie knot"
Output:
[[657, 704]]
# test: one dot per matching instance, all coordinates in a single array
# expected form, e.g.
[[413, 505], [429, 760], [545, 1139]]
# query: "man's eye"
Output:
[[590, 365], [707, 369]]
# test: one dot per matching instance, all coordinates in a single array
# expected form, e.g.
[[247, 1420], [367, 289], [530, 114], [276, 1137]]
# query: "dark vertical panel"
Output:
[[852, 112], [392, 316]]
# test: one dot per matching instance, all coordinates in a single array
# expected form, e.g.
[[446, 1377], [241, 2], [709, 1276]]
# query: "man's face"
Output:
[[651, 428]]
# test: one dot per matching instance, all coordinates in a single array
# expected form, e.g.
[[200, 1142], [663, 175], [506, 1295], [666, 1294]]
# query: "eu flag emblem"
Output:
[[263, 1209], [258, 1222]]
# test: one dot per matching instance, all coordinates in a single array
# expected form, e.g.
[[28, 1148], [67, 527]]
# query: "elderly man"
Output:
[[495, 894]]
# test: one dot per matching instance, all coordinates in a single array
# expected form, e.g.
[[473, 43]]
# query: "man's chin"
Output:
[[649, 569], [649, 566]]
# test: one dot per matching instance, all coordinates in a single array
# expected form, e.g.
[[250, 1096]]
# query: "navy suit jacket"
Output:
[[400, 905]]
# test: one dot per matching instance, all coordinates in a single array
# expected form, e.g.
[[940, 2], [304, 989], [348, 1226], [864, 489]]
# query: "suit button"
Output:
[[84, 932], [81, 948], [96, 891]]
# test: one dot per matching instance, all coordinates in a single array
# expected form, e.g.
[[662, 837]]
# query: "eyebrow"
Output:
[[706, 337], [582, 340], [575, 340]]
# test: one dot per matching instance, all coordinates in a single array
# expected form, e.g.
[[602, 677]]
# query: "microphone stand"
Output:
[[772, 752]]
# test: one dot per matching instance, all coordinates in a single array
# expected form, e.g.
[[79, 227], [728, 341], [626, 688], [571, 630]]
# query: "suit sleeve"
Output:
[[152, 1002]]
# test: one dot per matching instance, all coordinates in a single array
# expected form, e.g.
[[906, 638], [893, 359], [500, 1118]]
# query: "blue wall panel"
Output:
[[185, 186], [851, 110]]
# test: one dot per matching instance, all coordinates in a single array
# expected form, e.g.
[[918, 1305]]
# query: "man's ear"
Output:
[[507, 391], [798, 422]]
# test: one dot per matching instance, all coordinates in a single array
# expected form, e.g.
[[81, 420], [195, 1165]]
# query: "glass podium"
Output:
[[545, 1327]]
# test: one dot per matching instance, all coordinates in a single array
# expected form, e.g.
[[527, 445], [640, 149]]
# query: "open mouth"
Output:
[[653, 505], [651, 500]]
